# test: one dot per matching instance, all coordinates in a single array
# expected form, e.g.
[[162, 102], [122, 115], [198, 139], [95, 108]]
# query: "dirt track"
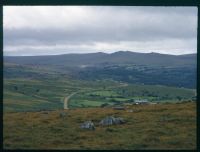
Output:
[[66, 99]]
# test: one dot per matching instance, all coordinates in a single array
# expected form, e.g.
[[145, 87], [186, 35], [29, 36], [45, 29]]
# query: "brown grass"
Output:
[[161, 126]]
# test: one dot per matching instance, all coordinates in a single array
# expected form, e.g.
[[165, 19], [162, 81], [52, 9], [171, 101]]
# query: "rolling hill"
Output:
[[124, 66], [35, 88], [120, 57], [42, 82]]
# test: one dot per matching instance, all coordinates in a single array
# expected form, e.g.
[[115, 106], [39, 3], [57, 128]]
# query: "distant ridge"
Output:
[[124, 66], [119, 57], [117, 52]]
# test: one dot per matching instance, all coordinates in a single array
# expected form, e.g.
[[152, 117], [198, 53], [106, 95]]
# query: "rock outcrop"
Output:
[[88, 125], [110, 120]]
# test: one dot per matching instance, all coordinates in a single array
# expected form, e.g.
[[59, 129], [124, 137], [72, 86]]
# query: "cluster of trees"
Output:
[[22, 89], [178, 77]]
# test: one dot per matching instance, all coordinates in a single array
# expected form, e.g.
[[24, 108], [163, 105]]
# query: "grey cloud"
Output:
[[91, 34], [113, 25]]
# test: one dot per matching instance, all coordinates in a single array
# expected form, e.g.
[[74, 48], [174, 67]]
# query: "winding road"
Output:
[[66, 99]]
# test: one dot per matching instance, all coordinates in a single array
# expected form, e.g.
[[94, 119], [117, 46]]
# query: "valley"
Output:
[[51, 96], [42, 83], [100, 76]]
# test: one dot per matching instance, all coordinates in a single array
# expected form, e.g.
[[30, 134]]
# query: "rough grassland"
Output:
[[161, 126]]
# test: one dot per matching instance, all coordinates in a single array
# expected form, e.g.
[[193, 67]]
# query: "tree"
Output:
[[179, 98], [15, 87]]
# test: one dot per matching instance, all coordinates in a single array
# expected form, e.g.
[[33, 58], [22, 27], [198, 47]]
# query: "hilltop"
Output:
[[120, 57]]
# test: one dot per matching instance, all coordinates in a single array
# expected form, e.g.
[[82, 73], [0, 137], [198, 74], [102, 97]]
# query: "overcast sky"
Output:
[[41, 30]]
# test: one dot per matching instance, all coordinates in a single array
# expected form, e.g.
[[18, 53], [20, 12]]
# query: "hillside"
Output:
[[161, 126], [38, 83], [36, 88], [47, 92], [128, 67], [120, 57]]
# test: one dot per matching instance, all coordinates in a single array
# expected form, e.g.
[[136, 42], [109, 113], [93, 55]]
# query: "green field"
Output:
[[31, 95], [32, 87], [28, 94]]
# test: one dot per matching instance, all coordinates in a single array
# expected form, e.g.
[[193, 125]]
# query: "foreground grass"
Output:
[[161, 126]]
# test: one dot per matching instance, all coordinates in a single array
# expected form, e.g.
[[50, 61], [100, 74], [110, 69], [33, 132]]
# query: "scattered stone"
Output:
[[110, 120], [62, 114], [88, 125]]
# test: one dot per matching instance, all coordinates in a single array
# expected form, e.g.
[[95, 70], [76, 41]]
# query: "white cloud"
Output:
[[80, 29]]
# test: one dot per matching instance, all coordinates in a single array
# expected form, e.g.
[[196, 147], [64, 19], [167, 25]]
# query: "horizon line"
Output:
[[78, 53]]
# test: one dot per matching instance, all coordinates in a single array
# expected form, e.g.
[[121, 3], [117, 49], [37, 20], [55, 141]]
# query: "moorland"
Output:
[[35, 88]]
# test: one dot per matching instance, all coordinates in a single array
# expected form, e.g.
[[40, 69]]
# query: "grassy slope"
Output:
[[95, 98], [32, 95], [128, 67], [161, 126], [31, 88]]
